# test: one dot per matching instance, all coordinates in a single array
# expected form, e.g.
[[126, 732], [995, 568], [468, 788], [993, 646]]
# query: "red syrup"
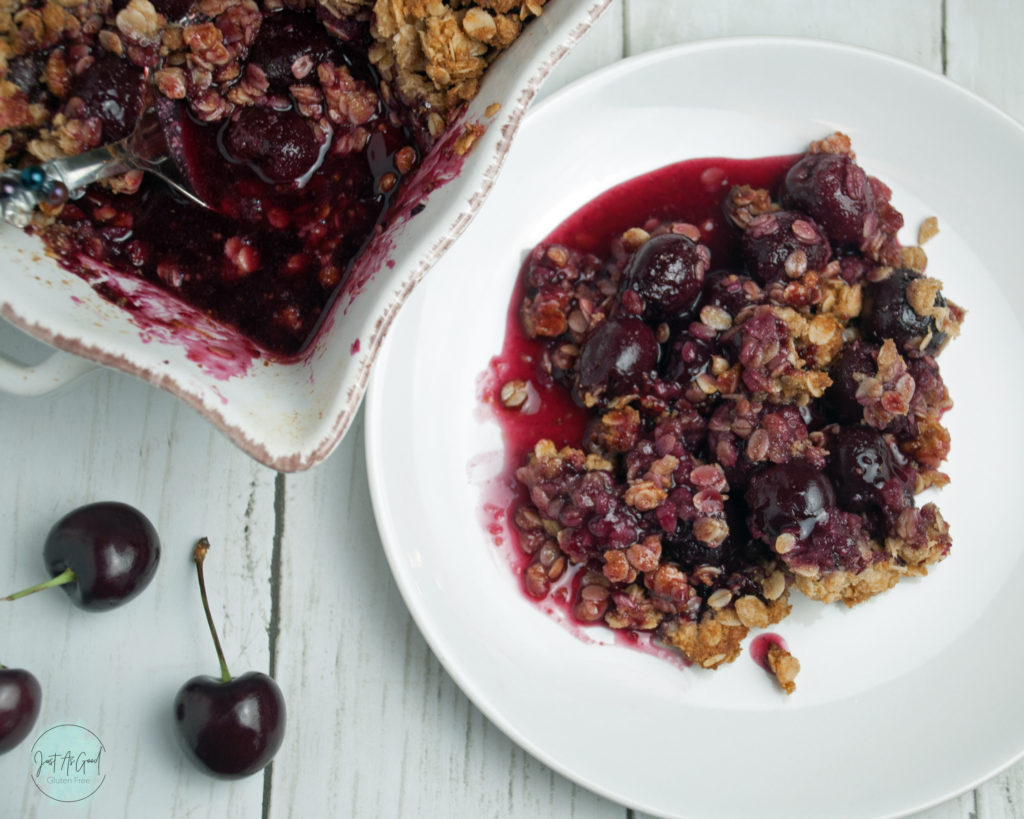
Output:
[[691, 191], [760, 646]]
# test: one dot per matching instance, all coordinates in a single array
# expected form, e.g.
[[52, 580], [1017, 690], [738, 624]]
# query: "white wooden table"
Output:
[[297, 577]]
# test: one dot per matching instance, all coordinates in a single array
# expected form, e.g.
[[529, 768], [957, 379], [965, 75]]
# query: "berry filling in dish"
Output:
[[295, 121], [720, 383]]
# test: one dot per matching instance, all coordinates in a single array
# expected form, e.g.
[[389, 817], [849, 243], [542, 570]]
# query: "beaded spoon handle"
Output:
[[22, 190], [53, 182]]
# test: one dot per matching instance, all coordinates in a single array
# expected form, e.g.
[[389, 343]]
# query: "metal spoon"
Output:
[[145, 149]]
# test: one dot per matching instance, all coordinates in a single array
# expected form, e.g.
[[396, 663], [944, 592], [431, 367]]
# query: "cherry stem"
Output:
[[199, 555], [66, 576]]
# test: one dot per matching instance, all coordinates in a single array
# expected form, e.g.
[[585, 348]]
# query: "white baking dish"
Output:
[[288, 415]]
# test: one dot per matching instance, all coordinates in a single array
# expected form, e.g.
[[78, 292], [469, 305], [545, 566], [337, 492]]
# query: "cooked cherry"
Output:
[[279, 144], [857, 358], [615, 356], [230, 727], [792, 496], [834, 543], [813, 414], [738, 548], [173, 9], [783, 245], [111, 90], [730, 291], [886, 314], [861, 465], [686, 357], [834, 191], [667, 273], [287, 39], [102, 555], [25, 71], [853, 267], [20, 699]]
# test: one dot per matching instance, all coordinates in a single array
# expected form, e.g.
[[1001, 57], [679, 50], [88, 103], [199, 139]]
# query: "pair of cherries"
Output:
[[103, 555]]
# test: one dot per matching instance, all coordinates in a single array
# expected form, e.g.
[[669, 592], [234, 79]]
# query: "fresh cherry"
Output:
[[20, 698], [102, 555], [229, 727], [667, 273]]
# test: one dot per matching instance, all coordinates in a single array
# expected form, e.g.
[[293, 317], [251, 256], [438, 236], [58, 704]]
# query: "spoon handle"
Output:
[[81, 170], [21, 191]]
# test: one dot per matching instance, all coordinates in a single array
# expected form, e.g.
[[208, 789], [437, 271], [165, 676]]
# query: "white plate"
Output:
[[902, 702]]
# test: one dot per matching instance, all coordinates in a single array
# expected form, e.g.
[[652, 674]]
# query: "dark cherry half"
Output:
[[286, 39], [857, 358], [866, 472], [731, 291], [686, 357]]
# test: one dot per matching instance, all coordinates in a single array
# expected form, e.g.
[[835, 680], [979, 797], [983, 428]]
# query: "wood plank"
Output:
[[111, 437], [1002, 797], [983, 40], [911, 29], [983, 50], [600, 46], [377, 726]]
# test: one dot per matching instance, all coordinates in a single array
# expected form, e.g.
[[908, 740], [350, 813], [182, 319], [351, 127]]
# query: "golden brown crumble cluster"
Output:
[[434, 53]]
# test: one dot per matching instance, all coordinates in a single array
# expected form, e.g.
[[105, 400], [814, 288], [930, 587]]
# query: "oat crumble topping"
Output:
[[753, 429]]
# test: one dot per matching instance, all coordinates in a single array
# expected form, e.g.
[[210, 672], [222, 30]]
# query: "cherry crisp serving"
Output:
[[296, 120], [720, 383]]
